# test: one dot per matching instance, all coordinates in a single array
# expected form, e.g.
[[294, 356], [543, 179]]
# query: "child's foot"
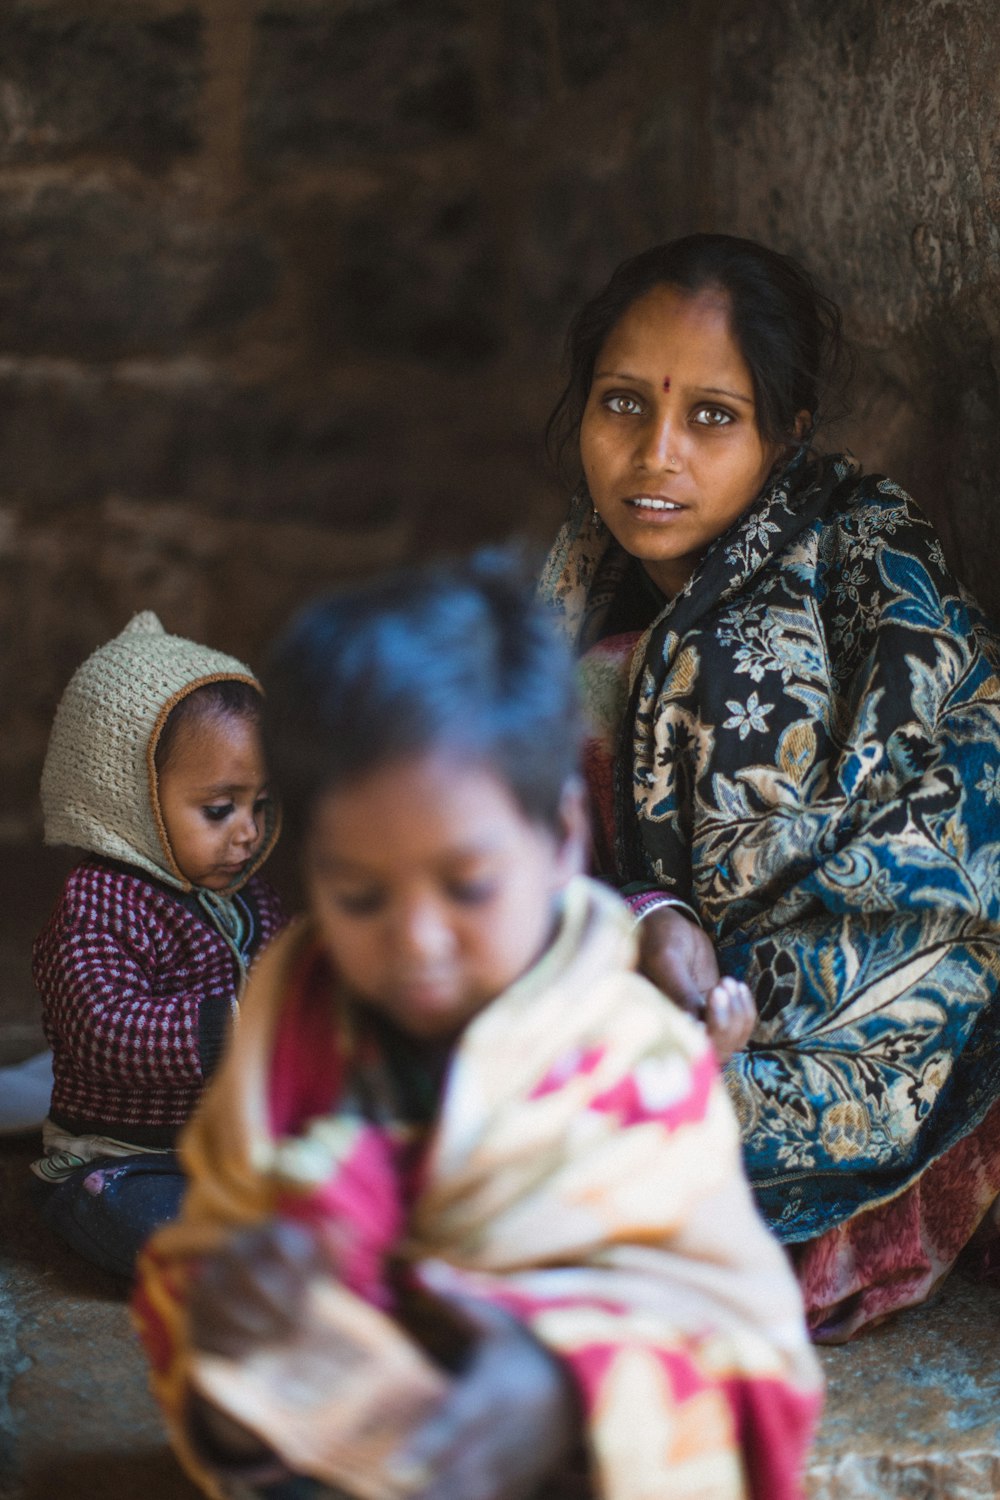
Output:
[[730, 1015], [25, 1090]]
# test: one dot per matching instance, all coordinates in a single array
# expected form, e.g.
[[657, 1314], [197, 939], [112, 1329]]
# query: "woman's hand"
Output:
[[509, 1420], [679, 958]]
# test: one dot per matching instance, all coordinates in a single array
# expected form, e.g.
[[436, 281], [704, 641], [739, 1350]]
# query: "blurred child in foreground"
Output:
[[456, 1120]]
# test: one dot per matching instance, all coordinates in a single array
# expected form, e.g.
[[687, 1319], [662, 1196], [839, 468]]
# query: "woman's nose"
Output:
[[658, 443]]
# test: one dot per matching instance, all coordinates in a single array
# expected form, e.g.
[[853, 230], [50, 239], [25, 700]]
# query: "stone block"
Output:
[[187, 430], [864, 140], [73, 80], [70, 434], [419, 277], [95, 271], [595, 34], [525, 64], [368, 75], [574, 229]]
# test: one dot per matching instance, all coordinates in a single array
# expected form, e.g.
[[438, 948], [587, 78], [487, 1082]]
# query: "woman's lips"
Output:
[[653, 505]]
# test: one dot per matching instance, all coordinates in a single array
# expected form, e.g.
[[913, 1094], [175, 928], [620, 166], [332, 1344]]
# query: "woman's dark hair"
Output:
[[788, 332], [454, 656], [208, 704]]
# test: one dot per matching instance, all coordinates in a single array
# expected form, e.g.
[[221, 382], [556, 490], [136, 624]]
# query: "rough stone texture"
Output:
[[293, 276], [865, 139], [593, 37], [70, 433], [369, 75], [97, 271], [74, 81], [913, 1409], [419, 279]]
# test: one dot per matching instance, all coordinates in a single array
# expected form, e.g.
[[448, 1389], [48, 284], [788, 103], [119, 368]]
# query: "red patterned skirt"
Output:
[[895, 1254]]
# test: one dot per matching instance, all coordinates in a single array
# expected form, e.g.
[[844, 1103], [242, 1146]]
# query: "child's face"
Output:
[[432, 889], [213, 797]]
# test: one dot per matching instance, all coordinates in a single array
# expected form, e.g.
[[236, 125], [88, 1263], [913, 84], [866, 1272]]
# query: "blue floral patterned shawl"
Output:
[[810, 755]]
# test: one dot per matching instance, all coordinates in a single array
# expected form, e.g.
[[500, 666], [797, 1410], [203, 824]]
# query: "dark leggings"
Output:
[[107, 1209]]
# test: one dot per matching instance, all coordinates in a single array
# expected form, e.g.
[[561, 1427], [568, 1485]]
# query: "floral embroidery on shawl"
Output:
[[811, 757]]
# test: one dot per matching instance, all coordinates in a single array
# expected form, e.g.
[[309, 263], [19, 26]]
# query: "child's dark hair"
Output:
[[450, 656], [213, 701], [788, 332]]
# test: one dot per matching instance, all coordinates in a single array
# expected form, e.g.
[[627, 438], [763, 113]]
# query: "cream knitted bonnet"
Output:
[[99, 783]]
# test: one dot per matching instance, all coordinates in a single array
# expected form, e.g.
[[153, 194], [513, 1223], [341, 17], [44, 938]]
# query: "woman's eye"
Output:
[[623, 406], [713, 416], [218, 811]]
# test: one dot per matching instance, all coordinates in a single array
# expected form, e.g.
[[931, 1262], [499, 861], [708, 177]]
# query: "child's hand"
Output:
[[509, 1421], [679, 958], [252, 1291], [730, 1016], [248, 1293]]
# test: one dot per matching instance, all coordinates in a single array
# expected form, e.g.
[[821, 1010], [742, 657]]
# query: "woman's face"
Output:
[[669, 437]]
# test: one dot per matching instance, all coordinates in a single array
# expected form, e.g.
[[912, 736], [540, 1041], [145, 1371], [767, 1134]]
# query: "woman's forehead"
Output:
[[669, 335]]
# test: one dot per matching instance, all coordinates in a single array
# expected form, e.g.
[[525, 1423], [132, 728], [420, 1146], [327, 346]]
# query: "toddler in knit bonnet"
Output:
[[154, 770]]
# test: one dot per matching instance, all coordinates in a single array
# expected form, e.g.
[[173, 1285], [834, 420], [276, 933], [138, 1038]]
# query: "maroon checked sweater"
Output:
[[138, 987]]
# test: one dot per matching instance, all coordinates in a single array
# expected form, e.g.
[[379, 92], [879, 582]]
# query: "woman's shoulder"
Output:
[[877, 529], [871, 513], [863, 491]]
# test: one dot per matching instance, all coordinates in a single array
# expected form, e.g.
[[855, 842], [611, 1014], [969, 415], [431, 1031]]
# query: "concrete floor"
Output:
[[913, 1409], [76, 1419]]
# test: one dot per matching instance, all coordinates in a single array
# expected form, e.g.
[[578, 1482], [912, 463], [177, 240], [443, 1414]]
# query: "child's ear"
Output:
[[573, 830]]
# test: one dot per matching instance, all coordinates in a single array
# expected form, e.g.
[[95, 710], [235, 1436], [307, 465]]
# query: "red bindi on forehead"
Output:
[[666, 382]]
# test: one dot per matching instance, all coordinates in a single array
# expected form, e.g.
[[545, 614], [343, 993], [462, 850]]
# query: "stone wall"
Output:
[[282, 291], [283, 283], [866, 139]]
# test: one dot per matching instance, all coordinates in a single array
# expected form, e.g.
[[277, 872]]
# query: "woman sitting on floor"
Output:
[[796, 745]]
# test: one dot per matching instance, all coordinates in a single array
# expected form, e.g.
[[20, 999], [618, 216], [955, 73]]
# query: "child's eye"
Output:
[[472, 892], [713, 416], [261, 804], [218, 811], [359, 903], [622, 405]]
